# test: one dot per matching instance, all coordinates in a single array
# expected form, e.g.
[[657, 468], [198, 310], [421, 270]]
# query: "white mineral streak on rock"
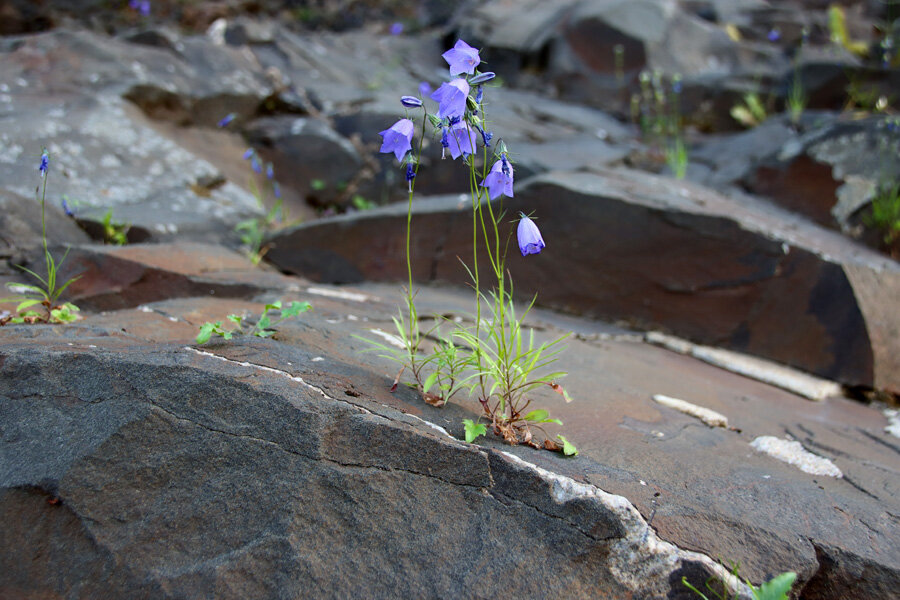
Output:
[[250, 365], [639, 561], [765, 371], [342, 294], [710, 417], [893, 418], [793, 453], [316, 389], [392, 339]]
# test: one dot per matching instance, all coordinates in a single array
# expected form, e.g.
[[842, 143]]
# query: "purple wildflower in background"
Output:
[[424, 88], [462, 58], [398, 139], [410, 175], [774, 34], [45, 162], [451, 98], [396, 28], [226, 120], [479, 95], [67, 209], [248, 153], [499, 180], [276, 189], [254, 164], [461, 140], [270, 171], [529, 237], [142, 6], [410, 101]]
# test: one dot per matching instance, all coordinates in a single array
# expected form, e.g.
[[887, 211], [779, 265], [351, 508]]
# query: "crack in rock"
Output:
[[640, 557], [294, 378], [300, 380]]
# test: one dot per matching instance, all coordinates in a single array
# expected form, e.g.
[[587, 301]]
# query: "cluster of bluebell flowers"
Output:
[[496, 361], [460, 127]]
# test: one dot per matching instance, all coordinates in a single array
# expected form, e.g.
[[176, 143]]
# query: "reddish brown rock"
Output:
[[631, 247]]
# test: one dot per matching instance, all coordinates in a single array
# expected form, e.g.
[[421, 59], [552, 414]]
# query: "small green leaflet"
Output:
[[473, 430], [568, 447]]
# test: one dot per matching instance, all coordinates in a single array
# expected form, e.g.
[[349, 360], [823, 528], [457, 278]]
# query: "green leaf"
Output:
[[227, 334], [206, 331], [26, 303], [473, 430], [263, 333], [273, 306], [568, 447], [537, 415], [264, 322], [235, 319], [776, 589], [295, 309], [63, 314], [429, 381]]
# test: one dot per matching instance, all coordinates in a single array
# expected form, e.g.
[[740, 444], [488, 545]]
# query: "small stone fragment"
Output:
[[709, 417]]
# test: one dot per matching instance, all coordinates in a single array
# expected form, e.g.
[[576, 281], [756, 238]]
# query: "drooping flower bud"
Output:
[[529, 237]]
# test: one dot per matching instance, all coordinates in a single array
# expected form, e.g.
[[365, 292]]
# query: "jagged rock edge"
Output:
[[640, 556]]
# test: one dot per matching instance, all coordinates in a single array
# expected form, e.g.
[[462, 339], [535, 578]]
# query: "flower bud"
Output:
[[482, 78], [410, 101]]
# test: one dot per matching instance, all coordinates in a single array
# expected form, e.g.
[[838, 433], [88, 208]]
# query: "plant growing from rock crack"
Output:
[[884, 213], [657, 110], [776, 588], [262, 327], [494, 358], [47, 294], [253, 231]]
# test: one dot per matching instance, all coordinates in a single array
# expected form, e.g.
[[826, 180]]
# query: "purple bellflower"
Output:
[[276, 189], [226, 120], [396, 28], [462, 58], [249, 152], [45, 163], [254, 164], [774, 35], [67, 209], [398, 139], [500, 180], [410, 101], [529, 237], [461, 140], [424, 88], [451, 98], [270, 171]]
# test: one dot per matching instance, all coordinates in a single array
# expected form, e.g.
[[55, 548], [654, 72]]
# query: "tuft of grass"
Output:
[[885, 213]]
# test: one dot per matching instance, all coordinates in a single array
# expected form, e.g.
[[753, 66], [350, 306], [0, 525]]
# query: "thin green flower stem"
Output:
[[413, 317]]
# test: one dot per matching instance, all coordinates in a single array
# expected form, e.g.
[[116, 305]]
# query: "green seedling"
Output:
[[262, 327]]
